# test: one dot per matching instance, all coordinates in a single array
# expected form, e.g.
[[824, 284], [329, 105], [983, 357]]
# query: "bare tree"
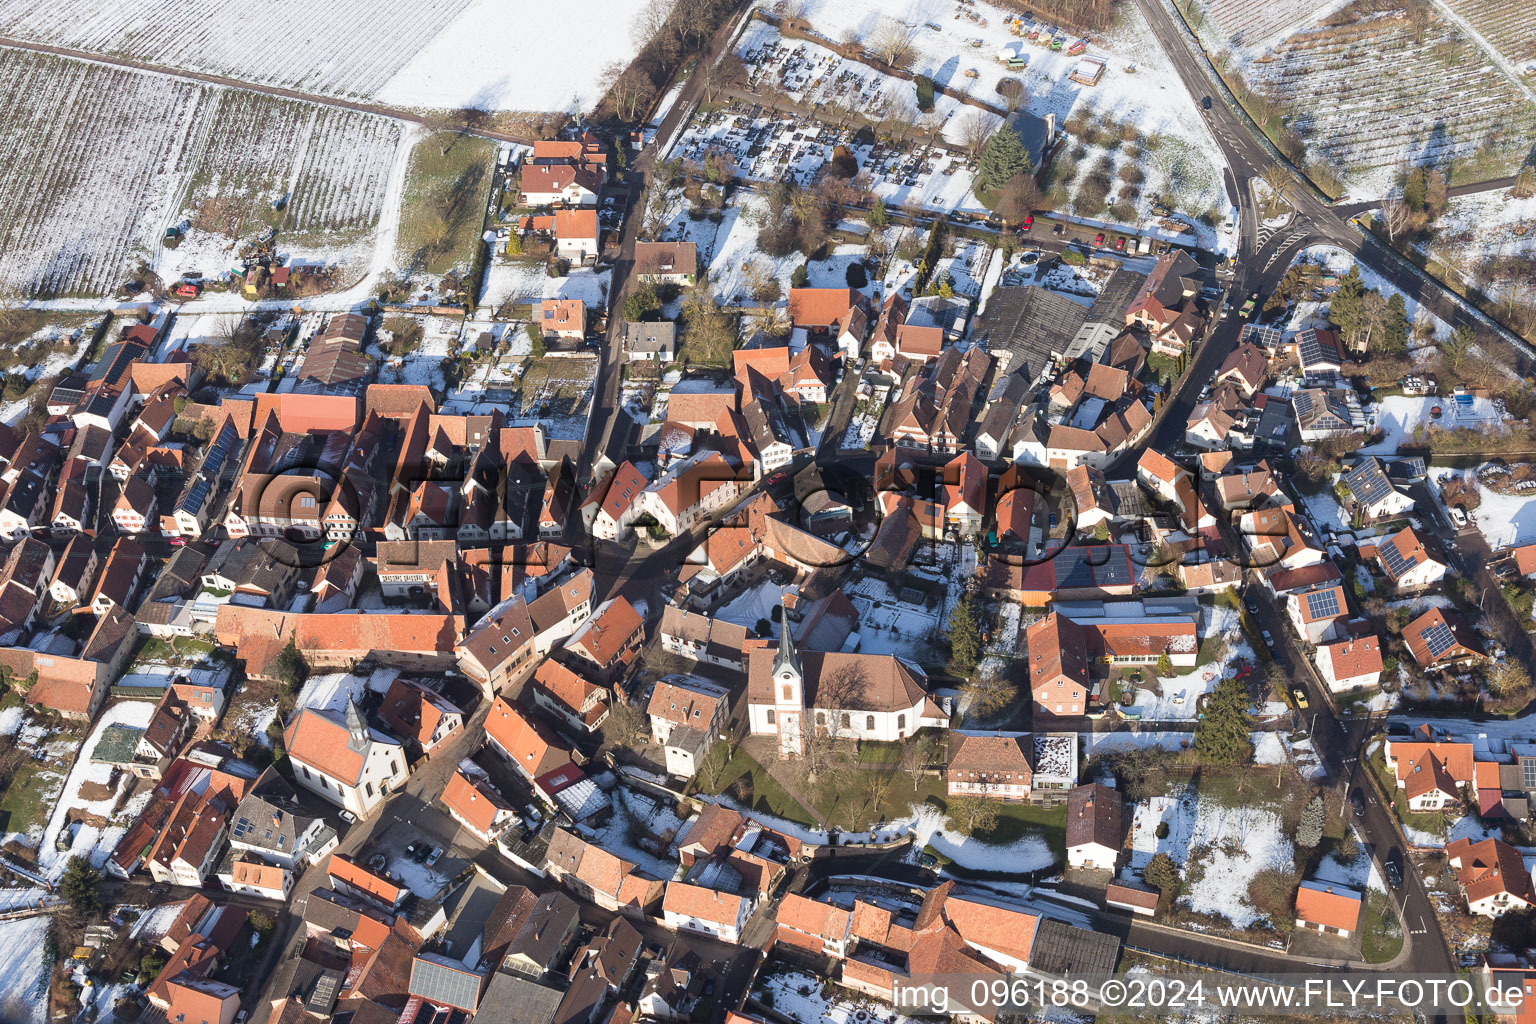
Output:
[[975, 129], [1373, 318], [650, 21], [1396, 216], [893, 43], [1020, 197], [625, 87], [725, 74], [1282, 187], [989, 695], [969, 815], [1013, 93]]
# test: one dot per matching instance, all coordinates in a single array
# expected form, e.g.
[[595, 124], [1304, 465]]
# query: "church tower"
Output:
[[788, 688]]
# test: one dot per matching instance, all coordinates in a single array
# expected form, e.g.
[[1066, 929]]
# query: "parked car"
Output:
[[1393, 866], [1098, 240], [434, 856], [1458, 517], [1300, 695], [1029, 222], [1058, 229], [1253, 607], [1269, 641], [1357, 801], [1120, 244]]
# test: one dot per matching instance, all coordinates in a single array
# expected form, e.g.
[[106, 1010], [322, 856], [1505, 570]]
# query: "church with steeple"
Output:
[[340, 757], [847, 696]]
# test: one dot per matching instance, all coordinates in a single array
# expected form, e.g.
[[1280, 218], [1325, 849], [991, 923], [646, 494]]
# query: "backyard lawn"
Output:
[[445, 190]]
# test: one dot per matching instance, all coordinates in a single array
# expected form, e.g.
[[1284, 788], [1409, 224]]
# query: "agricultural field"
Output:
[[483, 53], [1490, 241], [1239, 24], [102, 160], [1507, 26], [1376, 84]]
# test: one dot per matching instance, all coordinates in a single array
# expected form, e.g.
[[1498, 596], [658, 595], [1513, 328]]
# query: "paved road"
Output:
[[1267, 251]]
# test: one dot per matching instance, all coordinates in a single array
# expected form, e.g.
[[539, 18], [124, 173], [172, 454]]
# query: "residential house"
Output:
[[76, 569], [992, 766], [617, 510], [688, 716], [576, 235], [558, 185], [675, 263], [1094, 836], [1322, 413], [1350, 664], [342, 759], [650, 341], [1492, 875], [1372, 495], [424, 719], [1318, 611], [1403, 559], [1432, 772], [501, 648], [1245, 368], [610, 639], [577, 701], [839, 315], [1441, 640], [563, 318], [476, 804], [119, 577], [600, 877], [688, 493], [1329, 908], [704, 638], [698, 908]]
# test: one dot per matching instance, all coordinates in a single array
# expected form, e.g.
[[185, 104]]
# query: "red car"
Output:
[[1099, 241], [1120, 245], [1029, 222]]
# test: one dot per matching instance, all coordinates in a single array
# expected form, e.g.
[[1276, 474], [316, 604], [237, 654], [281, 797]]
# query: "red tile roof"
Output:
[[1329, 905]]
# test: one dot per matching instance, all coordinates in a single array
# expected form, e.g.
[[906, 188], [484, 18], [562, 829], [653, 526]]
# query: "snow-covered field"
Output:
[[1487, 237], [452, 53], [928, 826], [101, 160], [1239, 842], [23, 971]]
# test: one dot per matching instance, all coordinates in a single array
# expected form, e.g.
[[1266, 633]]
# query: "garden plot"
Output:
[[802, 996], [104, 159], [1179, 696], [556, 392], [97, 820], [423, 365], [929, 827], [1359, 873], [1503, 519], [965, 269], [1400, 415], [1368, 96], [888, 625], [1225, 846]]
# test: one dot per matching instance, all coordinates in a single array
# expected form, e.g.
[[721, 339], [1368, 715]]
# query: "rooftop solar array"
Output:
[[1367, 482], [1312, 351], [1303, 402], [1439, 639], [1323, 604], [1397, 563]]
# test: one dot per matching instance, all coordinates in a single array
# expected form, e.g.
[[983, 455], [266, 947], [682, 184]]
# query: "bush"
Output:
[[1162, 830], [643, 303], [857, 277], [1073, 258], [800, 278]]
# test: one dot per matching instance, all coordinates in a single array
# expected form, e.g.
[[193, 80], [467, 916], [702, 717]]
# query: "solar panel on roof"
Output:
[[1073, 569], [1397, 563], [1116, 571], [1323, 604], [1303, 401], [1368, 483], [1438, 639]]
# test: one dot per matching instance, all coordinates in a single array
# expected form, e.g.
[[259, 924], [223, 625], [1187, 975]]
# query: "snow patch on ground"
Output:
[[23, 971], [928, 826], [91, 841]]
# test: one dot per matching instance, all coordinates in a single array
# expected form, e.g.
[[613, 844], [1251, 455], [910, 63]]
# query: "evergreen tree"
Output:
[[1416, 190], [924, 93], [965, 646], [1394, 335], [291, 667], [800, 278], [1161, 873], [1344, 307], [1003, 157], [1164, 665], [78, 886], [1222, 735], [879, 216], [1309, 830]]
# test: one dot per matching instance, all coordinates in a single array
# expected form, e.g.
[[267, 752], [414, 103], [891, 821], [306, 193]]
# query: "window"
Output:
[[789, 693], [843, 723], [901, 721], [369, 787], [770, 716], [869, 723]]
